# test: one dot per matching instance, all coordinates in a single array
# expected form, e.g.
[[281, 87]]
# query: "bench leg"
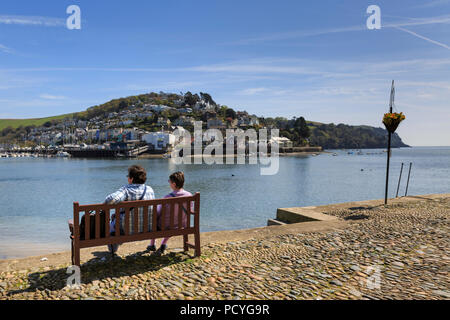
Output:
[[197, 244], [77, 256], [72, 253], [185, 241]]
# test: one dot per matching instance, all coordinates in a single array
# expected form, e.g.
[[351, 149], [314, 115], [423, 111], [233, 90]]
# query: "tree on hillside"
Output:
[[222, 111], [302, 128], [123, 105], [230, 113], [191, 99], [7, 131], [207, 98]]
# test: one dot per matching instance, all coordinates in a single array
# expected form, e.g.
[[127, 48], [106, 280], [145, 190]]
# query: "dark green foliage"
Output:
[[302, 128], [191, 99], [342, 136], [230, 113], [205, 96]]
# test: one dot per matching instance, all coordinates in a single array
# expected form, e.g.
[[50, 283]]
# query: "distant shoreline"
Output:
[[286, 154]]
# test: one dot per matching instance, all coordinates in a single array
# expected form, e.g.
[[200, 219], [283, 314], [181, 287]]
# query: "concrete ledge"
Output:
[[274, 222], [302, 214], [319, 213]]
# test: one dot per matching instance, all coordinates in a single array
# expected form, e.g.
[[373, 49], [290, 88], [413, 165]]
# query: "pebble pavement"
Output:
[[396, 252]]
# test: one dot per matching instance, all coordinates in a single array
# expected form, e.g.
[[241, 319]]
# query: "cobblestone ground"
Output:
[[395, 252]]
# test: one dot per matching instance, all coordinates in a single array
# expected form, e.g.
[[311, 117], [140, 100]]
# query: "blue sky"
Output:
[[314, 59]]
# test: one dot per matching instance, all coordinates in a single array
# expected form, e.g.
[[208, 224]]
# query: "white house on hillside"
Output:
[[160, 140]]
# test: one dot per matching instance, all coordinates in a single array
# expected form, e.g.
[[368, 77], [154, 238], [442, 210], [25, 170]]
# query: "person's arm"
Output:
[[159, 206], [116, 197]]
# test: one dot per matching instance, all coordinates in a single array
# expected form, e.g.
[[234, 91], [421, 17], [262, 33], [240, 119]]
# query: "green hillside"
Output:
[[15, 123]]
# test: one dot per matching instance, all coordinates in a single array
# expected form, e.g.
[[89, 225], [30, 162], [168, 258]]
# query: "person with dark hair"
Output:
[[176, 182], [136, 189]]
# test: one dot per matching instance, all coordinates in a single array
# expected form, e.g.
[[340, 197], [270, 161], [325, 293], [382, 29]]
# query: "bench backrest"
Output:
[[140, 219]]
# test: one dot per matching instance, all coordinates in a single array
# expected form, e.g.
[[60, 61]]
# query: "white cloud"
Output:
[[32, 21], [253, 91], [5, 49], [51, 97]]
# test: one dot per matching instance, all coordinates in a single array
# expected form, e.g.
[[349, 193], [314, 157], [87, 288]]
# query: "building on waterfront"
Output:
[[282, 142], [160, 141]]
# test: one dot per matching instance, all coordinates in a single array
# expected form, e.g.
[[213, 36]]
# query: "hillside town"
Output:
[[146, 120]]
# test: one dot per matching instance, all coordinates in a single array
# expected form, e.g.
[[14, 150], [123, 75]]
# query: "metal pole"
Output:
[[409, 173], [387, 168], [391, 102], [399, 178]]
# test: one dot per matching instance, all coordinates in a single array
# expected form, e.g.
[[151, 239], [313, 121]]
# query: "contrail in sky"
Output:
[[424, 38]]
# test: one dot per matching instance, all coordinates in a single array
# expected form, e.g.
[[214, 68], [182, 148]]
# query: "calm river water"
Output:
[[36, 194]]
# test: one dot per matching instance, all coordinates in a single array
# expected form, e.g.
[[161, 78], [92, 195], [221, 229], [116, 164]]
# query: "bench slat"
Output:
[[107, 217], [135, 237], [188, 222], [154, 218], [172, 216], [87, 225], [145, 214], [131, 204], [163, 217], [97, 224], [180, 215], [127, 221], [117, 221], [136, 220]]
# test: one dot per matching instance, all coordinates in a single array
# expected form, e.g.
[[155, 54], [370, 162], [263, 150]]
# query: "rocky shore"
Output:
[[401, 251]]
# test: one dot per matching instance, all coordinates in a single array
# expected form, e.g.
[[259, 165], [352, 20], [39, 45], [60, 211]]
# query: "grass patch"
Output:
[[15, 123]]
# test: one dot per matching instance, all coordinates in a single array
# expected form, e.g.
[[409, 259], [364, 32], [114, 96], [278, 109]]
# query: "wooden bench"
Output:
[[136, 224]]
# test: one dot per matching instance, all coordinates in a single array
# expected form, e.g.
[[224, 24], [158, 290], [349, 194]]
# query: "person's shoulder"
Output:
[[123, 188], [187, 193], [149, 189]]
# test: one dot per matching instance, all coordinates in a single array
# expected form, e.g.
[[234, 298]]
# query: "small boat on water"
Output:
[[62, 154]]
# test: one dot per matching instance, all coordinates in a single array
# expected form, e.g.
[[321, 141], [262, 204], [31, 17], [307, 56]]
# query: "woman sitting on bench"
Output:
[[176, 182]]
